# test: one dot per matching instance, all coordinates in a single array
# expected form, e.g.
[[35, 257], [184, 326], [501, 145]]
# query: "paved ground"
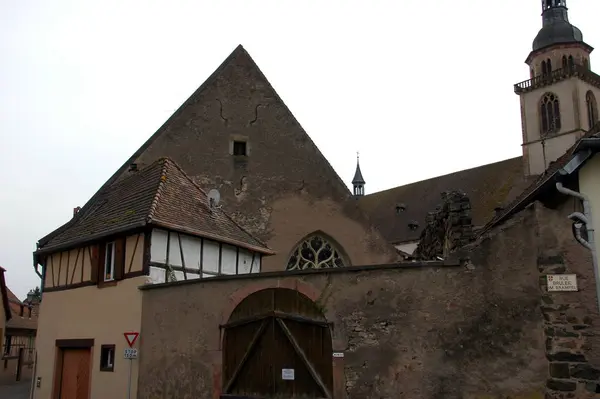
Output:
[[18, 390]]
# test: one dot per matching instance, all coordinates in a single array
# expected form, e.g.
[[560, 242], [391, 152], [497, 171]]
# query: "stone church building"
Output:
[[434, 289]]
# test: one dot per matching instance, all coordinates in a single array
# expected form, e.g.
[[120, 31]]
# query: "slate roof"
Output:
[[160, 195], [358, 177], [488, 187]]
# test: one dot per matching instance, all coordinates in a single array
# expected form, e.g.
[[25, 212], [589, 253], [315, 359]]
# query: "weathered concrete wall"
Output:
[[477, 330]]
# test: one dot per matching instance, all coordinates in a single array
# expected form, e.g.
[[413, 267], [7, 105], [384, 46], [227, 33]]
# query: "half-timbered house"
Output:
[[155, 226], [19, 341]]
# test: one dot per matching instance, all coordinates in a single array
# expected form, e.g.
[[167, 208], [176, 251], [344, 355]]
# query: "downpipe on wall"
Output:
[[584, 220]]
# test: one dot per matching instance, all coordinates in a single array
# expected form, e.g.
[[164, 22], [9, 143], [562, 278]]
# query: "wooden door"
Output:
[[75, 374], [277, 343]]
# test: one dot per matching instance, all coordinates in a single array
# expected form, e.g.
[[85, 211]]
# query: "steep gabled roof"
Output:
[[488, 187], [28, 321], [229, 63], [4, 295], [160, 195]]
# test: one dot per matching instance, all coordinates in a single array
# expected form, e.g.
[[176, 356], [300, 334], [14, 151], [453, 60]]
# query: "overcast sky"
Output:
[[420, 88]]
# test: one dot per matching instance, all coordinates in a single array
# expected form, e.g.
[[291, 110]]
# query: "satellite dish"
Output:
[[214, 197]]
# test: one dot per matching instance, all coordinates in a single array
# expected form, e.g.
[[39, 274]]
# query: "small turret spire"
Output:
[[358, 182]]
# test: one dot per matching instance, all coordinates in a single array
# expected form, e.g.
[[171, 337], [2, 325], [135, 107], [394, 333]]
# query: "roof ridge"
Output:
[[223, 212], [159, 188], [535, 185], [446, 175], [44, 240]]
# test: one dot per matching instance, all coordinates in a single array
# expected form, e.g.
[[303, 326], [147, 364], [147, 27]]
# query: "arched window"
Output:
[[549, 66], [571, 62], [592, 109], [586, 63], [564, 62], [316, 252], [549, 114], [544, 70]]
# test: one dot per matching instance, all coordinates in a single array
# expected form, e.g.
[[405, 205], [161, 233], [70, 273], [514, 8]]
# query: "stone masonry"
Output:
[[485, 327], [448, 227], [570, 318]]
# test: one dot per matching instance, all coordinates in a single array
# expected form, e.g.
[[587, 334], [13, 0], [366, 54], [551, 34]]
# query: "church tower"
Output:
[[558, 102], [358, 182]]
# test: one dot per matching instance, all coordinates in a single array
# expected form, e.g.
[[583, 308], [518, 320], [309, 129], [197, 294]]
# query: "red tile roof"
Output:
[[530, 194], [160, 195], [27, 321]]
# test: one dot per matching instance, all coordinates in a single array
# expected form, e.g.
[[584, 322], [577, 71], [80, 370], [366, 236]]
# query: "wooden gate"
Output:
[[277, 344]]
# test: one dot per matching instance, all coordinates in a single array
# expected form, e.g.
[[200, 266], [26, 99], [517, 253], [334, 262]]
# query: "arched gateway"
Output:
[[277, 343]]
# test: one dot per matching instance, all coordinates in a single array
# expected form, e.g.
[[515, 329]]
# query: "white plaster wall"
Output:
[[589, 184], [201, 257]]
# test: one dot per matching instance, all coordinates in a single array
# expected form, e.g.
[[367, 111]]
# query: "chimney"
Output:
[[76, 210]]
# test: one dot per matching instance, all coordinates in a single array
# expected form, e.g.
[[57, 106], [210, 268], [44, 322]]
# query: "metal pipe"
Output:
[[586, 218]]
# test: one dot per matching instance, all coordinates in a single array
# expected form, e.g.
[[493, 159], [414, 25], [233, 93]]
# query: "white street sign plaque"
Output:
[[562, 282], [130, 353], [287, 374]]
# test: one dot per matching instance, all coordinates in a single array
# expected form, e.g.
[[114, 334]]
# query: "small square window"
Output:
[[239, 148], [109, 262], [107, 358]]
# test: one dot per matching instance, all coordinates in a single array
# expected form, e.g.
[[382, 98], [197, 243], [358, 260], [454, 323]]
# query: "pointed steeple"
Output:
[[358, 182]]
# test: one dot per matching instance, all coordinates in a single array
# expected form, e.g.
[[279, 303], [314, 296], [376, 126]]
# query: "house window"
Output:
[[549, 114], [107, 358], [239, 148], [109, 262]]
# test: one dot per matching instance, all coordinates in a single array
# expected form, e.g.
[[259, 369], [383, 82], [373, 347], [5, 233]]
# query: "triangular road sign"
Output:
[[131, 337]]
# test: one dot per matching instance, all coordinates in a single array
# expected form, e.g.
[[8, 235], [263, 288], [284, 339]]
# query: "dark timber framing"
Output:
[[87, 252]]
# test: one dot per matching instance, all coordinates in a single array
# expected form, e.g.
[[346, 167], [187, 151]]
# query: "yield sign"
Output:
[[131, 337]]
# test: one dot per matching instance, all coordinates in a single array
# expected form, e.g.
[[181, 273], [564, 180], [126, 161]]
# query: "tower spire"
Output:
[[556, 28], [358, 182]]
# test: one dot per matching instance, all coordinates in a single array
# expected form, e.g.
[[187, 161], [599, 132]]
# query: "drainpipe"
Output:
[[579, 220]]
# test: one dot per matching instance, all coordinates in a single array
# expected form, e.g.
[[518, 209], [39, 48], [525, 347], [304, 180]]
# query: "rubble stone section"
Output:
[[567, 328], [448, 227]]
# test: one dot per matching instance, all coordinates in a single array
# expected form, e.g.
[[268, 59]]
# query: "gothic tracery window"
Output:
[[315, 252], [592, 109], [549, 114]]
